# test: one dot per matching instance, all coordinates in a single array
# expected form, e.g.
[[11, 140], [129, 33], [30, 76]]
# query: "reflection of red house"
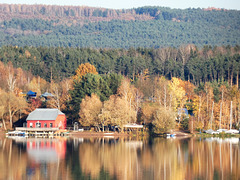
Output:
[[46, 118], [46, 150]]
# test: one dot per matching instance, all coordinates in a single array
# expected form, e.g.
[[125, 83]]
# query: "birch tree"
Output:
[[90, 108], [11, 79], [14, 105], [117, 109]]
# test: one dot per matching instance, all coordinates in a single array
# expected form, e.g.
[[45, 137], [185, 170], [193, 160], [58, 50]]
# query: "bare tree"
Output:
[[11, 79]]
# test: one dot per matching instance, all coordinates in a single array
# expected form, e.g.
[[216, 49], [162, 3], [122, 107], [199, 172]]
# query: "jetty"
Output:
[[37, 132]]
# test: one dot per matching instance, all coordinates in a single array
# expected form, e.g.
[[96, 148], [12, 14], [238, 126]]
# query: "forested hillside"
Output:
[[69, 26], [186, 62]]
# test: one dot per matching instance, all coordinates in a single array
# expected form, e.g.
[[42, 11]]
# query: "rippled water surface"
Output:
[[109, 158]]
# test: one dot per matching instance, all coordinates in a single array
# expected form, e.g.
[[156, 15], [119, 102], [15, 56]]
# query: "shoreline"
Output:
[[97, 134], [178, 134]]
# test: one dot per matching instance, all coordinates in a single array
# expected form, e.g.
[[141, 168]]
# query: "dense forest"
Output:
[[64, 26], [207, 64]]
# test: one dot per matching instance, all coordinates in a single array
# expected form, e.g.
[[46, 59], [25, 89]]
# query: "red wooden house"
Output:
[[46, 118]]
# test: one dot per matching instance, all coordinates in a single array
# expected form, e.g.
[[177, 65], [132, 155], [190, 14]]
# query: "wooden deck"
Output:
[[36, 129], [37, 132]]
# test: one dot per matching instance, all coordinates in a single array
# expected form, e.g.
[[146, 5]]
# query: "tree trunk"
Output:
[[159, 99], [237, 79], [199, 109], [220, 116], [207, 103], [170, 103], [165, 96], [102, 127], [10, 117], [228, 76], [11, 114], [238, 116], [4, 124], [235, 112], [231, 116], [212, 115]]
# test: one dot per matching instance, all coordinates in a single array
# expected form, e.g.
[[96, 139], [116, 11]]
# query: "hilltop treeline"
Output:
[[91, 14], [64, 26], [185, 62], [66, 13]]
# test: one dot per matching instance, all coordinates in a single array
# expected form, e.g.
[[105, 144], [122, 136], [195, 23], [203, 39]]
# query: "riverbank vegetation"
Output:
[[115, 87]]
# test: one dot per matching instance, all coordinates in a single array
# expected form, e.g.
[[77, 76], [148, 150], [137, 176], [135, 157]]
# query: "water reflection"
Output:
[[110, 158], [46, 150]]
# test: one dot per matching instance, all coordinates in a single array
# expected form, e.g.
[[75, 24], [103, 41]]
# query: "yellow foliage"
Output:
[[161, 93], [27, 53], [84, 69], [34, 85], [178, 93], [18, 92], [90, 108], [144, 75], [148, 111], [164, 120], [118, 110], [189, 89]]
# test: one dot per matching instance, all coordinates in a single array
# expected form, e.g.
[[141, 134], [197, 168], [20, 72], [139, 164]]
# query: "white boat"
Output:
[[232, 131], [210, 131], [221, 130], [171, 135], [15, 133]]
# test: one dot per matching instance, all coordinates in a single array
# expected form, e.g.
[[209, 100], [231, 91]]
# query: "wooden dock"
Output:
[[37, 132]]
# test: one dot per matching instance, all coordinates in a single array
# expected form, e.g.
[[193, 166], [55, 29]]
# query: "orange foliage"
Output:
[[84, 69]]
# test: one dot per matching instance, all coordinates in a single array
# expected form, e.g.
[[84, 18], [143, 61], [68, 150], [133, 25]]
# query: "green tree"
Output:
[[89, 84]]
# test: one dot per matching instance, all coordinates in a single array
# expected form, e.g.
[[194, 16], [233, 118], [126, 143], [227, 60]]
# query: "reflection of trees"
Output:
[[124, 159], [168, 160], [119, 159], [132, 159], [212, 159], [12, 167], [164, 159]]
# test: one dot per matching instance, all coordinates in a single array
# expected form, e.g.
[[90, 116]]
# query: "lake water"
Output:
[[124, 159]]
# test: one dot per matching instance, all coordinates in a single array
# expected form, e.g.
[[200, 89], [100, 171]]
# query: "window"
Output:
[[31, 125], [38, 125], [51, 125], [45, 125]]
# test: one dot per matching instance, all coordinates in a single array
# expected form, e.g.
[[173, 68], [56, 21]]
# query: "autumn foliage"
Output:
[[111, 99], [84, 69]]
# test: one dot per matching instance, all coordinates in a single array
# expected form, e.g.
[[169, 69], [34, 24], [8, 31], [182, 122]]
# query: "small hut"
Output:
[[47, 96], [31, 94]]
